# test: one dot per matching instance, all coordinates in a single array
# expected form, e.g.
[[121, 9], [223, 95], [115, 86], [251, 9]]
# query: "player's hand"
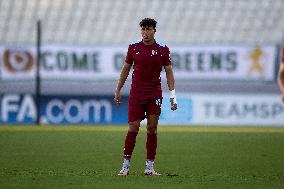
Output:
[[173, 104], [117, 98]]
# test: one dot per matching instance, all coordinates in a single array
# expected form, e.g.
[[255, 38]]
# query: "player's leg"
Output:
[[135, 115], [130, 139], [151, 144], [153, 113], [129, 144]]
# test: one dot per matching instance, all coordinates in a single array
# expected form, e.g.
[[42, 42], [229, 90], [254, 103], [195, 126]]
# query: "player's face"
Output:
[[148, 34]]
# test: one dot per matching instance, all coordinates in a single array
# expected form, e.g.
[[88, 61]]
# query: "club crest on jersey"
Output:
[[154, 52]]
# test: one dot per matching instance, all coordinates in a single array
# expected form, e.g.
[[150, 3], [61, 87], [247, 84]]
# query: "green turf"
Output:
[[90, 157]]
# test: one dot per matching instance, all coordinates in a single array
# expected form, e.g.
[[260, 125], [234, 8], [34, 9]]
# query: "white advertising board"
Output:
[[225, 109], [93, 63]]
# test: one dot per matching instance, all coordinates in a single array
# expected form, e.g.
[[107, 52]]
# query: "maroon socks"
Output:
[[151, 146], [129, 144]]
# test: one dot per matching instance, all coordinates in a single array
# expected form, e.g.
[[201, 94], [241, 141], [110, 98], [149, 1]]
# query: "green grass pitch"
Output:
[[188, 157]]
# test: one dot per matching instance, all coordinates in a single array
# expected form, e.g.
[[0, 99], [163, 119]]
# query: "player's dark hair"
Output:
[[148, 22]]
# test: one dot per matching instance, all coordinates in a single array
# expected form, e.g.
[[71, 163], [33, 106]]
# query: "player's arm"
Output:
[[122, 78], [281, 79], [171, 86]]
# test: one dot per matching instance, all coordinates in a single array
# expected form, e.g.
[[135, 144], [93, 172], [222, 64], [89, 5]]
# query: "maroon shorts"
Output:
[[139, 109]]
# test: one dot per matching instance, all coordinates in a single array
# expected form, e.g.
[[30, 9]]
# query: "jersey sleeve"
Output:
[[129, 55], [167, 57]]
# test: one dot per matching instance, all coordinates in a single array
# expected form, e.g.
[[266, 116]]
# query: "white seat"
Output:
[[108, 21]]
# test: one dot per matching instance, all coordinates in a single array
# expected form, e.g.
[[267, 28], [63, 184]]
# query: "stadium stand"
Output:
[[107, 22]]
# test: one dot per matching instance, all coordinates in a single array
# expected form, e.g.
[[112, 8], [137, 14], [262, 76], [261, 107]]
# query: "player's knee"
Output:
[[151, 129], [133, 126]]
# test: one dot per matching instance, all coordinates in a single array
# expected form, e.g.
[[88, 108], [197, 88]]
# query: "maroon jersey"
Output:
[[147, 61]]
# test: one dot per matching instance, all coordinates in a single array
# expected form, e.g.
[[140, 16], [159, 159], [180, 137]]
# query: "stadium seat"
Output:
[[103, 22]]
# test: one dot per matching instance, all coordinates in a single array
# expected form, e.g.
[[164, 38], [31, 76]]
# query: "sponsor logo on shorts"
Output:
[[158, 102]]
